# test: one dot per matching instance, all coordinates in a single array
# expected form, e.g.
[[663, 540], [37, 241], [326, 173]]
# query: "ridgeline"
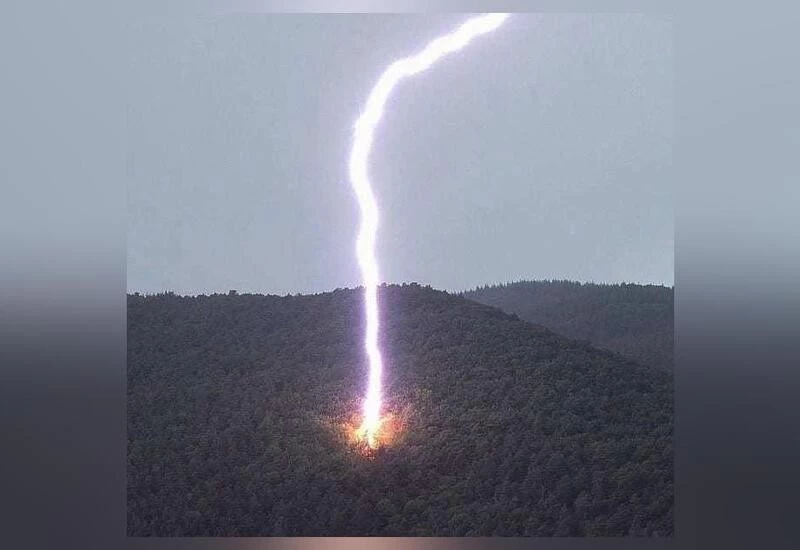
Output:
[[634, 320]]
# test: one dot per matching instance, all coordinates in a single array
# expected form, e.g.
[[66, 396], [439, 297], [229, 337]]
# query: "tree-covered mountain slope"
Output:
[[239, 407], [634, 320]]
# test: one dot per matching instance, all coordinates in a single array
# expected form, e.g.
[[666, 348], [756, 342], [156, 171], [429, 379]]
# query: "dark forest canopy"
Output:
[[634, 320], [236, 403]]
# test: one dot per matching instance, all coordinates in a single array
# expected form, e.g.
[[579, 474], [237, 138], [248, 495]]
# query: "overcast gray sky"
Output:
[[542, 150]]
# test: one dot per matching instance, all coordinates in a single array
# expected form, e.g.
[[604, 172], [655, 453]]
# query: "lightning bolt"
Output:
[[362, 143]]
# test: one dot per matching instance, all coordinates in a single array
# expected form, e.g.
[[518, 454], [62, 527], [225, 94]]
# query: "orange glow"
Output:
[[374, 434], [383, 433], [367, 440]]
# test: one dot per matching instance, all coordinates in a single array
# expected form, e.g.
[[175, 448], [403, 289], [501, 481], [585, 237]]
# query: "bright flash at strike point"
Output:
[[365, 244]]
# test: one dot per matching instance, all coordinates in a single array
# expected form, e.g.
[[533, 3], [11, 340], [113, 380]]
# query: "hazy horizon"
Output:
[[357, 287]]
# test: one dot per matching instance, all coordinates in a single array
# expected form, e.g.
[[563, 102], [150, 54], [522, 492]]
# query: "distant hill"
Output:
[[236, 408], [634, 320]]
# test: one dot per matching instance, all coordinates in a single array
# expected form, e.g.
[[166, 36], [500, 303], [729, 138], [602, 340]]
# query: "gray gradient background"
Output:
[[63, 273], [543, 150]]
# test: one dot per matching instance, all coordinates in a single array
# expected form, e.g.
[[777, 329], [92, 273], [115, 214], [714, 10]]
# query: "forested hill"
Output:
[[237, 406], [634, 320]]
